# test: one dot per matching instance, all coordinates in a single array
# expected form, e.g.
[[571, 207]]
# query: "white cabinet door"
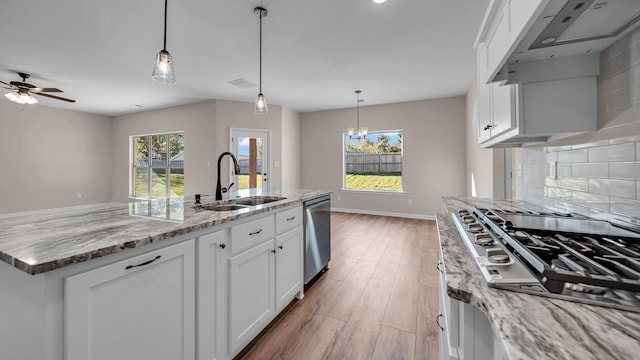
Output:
[[251, 293], [483, 97], [288, 267], [503, 106], [140, 308], [210, 304]]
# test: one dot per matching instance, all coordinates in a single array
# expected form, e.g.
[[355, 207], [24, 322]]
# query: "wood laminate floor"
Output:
[[379, 299]]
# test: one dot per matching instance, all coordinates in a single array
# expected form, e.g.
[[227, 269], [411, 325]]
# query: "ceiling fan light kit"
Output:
[[21, 98], [163, 71], [261, 102]]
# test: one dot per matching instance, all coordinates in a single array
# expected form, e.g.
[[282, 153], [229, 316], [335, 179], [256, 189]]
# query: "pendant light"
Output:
[[163, 71], [362, 131], [261, 102]]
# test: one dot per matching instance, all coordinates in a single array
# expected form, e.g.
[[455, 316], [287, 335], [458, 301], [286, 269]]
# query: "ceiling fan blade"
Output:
[[7, 84], [40, 90], [55, 97]]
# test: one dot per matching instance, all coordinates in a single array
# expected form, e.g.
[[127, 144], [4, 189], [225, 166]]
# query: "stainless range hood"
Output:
[[576, 27], [586, 20]]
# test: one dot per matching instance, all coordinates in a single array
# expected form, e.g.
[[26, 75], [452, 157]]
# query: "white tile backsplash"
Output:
[[598, 173], [622, 152]]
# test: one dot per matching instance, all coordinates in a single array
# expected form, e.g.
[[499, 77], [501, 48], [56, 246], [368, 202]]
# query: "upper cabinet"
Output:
[[537, 63]]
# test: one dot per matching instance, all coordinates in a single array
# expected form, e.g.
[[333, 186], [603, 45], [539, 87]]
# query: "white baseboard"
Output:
[[384, 213]]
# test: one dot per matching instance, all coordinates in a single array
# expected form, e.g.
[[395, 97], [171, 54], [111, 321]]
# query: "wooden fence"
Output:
[[381, 164]]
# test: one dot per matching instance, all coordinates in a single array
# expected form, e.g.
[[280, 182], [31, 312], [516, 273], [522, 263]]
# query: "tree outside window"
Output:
[[374, 162]]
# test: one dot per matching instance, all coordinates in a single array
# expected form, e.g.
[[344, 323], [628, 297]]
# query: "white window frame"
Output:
[[168, 167]]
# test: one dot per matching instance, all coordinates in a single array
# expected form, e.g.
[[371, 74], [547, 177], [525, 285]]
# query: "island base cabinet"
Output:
[[251, 293], [211, 303], [289, 264], [139, 308]]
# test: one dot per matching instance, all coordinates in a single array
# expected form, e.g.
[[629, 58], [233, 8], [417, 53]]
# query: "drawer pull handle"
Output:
[[438, 322], [291, 218], [142, 264], [488, 127], [439, 268], [255, 232]]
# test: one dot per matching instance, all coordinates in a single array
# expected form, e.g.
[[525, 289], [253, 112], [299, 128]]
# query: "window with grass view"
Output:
[[373, 162], [158, 166]]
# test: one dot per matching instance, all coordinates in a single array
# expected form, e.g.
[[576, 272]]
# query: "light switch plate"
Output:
[[553, 167]]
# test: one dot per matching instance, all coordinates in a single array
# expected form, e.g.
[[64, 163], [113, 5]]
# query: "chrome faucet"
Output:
[[236, 169]]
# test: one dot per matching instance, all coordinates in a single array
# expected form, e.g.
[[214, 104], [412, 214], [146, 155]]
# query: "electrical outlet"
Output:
[[78, 196], [553, 167], [338, 197], [410, 201]]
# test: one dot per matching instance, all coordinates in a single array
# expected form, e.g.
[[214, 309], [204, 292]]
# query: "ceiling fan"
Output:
[[23, 91]]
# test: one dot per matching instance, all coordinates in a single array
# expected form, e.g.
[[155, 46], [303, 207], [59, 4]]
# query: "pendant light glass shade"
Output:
[[21, 98], [163, 71], [361, 131], [261, 102], [261, 105]]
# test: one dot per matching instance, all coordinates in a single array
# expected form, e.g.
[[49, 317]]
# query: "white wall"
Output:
[[51, 155], [433, 161], [485, 167], [291, 143]]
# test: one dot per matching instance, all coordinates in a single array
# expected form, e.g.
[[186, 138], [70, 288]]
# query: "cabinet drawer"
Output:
[[252, 233], [288, 219]]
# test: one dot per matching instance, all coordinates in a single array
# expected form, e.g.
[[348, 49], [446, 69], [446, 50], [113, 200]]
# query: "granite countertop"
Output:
[[44, 241], [534, 327]]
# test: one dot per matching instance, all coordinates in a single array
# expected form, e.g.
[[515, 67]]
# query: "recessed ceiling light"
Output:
[[379, 1]]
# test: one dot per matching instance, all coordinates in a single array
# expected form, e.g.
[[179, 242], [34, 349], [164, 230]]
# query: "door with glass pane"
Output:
[[251, 147]]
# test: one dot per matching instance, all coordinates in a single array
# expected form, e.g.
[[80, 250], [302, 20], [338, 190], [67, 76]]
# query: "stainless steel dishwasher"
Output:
[[317, 236]]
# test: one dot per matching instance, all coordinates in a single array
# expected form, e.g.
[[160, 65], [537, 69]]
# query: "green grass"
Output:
[[374, 182], [158, 185], [243, 182]]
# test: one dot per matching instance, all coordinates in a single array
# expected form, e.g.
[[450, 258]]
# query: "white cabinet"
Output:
[[251, 293], [289, 266], [533, 112], [265, 272], [505, 30], [211, 304], [139, 308]]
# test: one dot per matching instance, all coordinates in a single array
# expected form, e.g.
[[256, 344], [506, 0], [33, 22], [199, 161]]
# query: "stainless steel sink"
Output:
[[242, 203], [257, 200]]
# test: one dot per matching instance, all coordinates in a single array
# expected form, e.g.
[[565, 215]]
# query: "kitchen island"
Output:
[[148, 280], [526, 326]]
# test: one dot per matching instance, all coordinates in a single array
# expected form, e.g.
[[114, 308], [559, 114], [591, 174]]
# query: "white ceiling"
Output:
[[315, 53]]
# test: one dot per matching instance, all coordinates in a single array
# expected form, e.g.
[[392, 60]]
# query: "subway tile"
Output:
[[617, 117], [620, 188], [625, 207], [579, 184], [557, 193], [591, 144], [590, 200], [573, 156], [624, 170], [551, 157], [557, 148], [638, 151], [619, 99], [638, 190], [569, 207], [625, 139], [563, 170], [600, 170], [622, 152]]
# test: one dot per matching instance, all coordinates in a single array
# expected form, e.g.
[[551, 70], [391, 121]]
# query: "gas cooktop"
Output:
[[565, 256]]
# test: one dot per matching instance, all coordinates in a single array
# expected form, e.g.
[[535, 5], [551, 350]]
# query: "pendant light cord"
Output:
[[164, 47], [260, 52]]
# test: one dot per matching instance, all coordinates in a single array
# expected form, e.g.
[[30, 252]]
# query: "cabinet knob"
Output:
[[438, 322], [280, 247], [273, 251], [223, 245]]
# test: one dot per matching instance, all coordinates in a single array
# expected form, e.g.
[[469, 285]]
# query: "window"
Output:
[[373, 162], [157, 166]]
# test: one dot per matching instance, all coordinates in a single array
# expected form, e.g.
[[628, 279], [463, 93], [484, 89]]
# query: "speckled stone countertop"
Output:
[[534, 327], [41, 242]]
